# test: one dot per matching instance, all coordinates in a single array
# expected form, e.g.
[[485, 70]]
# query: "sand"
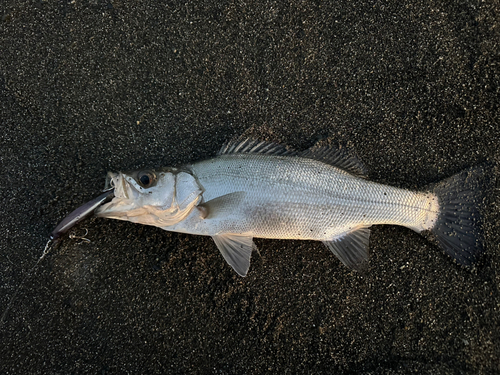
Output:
[[92, 86]]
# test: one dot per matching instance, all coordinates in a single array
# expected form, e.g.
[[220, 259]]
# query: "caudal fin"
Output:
[[458, 228]]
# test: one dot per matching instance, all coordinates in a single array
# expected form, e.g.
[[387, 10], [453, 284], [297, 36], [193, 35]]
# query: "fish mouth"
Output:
[[125, 197], [118, 182]]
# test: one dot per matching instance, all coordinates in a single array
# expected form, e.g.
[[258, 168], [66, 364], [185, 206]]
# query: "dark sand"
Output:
[[92, 86]]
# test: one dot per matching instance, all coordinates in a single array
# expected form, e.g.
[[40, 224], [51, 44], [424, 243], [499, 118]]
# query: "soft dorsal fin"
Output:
[[338, 157], [251, 146], [352, 248]]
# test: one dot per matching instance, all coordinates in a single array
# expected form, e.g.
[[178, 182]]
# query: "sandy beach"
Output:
[[88, 87]]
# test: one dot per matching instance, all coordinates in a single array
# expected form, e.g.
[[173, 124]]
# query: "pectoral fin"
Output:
[[222, 206], [236, 250], [352, 248]]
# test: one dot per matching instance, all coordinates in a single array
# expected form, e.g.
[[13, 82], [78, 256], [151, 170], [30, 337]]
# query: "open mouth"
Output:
[[110, 183], [123, 200], [125, 186], [117, 181]]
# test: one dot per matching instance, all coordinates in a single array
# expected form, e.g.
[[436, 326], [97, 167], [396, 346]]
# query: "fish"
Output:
[[258, 189]]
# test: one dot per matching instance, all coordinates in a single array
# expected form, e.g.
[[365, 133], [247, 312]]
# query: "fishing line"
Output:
[[66, 224], [46, 250]]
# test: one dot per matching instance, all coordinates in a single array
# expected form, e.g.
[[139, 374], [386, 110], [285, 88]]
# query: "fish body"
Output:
[[288, 197], [257, 189]]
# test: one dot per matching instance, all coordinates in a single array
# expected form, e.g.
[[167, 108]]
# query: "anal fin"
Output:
[[352, 248], [236, 250]]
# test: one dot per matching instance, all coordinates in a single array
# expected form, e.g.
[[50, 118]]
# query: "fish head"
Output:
[[160, 198]]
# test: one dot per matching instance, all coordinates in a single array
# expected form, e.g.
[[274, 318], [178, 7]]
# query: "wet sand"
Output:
[[412, 87]]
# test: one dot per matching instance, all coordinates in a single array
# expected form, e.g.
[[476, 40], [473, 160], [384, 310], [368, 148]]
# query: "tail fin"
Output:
[[458, 228]]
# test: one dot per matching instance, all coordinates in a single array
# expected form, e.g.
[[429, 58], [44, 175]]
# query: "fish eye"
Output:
[[146, 178]]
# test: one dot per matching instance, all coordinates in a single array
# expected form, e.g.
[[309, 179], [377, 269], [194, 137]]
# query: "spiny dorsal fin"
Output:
[[251, 146], [338, 157]]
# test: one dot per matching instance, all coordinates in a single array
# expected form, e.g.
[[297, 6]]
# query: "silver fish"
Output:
[[258, 189]]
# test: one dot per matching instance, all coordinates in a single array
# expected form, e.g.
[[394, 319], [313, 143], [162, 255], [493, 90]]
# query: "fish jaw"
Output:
[[167, 201], [132, 201], [123, 187], [118, 208]]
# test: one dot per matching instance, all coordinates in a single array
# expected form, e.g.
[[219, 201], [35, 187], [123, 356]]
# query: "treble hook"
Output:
[[73, 236]]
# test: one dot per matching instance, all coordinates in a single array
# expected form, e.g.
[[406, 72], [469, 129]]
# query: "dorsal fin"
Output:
[[251, 146], [338, 157]]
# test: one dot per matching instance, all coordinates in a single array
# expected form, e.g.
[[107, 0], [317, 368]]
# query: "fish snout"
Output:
[[118, 182]]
